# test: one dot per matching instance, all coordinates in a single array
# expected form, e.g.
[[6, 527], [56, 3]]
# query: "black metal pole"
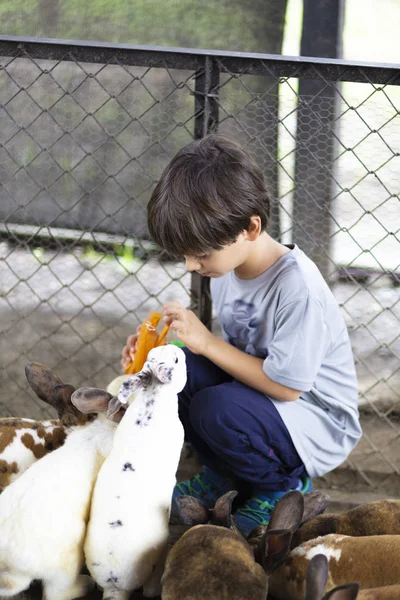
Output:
[[317, 111], [205, 121]]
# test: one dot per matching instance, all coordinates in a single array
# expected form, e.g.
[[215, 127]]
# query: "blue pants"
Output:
[[237, 430]]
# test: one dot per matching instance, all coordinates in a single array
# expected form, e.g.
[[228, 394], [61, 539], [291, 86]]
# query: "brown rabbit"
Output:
[[214, 561], [371, 561], [375, 518], [317, 577]]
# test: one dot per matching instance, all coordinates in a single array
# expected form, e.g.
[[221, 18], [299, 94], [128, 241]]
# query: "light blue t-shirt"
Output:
[[289, 316]]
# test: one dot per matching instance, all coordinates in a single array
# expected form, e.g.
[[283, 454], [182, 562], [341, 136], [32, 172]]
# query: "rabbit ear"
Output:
[[315, 503], [164, 372], [221, 514], [317, 576], [62, 395], [91, 400], [42, 380], [288, 512], [133, 383], [191, 510], [275, 545], [349, 591], [113, 410]]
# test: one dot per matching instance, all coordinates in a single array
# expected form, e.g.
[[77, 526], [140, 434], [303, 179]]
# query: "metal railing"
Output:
[[86, 130]]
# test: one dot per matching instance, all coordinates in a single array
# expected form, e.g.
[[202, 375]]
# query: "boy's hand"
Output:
[[189, 328], [130, 348]]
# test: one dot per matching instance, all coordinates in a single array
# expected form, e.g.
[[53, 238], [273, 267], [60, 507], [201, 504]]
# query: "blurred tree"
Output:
[[49, 13], [246, 26]]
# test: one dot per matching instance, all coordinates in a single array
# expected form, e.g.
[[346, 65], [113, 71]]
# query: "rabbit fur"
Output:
[[43, 514], [213, 560], [317, 578], [24, 441], [128, 529], [381, 517]]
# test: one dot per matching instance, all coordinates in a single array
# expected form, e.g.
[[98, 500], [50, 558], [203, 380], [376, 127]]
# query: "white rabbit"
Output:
[[128, 529], [43, 514], [115, 384]]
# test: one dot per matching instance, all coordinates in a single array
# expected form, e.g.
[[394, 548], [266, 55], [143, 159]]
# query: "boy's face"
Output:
[[216, 263]]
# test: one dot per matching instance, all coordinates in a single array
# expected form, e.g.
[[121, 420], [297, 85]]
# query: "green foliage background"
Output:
[[241, 25]]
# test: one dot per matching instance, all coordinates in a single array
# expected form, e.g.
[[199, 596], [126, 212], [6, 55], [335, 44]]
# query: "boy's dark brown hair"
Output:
[[206, 196]]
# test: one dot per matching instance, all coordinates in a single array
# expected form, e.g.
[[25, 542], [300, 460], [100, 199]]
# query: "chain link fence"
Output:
[[86, 130]]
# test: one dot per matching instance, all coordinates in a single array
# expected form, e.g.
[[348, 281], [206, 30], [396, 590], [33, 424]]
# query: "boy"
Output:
[[274, 402]]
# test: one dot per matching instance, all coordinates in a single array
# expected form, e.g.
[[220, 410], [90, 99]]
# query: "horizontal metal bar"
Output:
[[36, 234], [191, 59]]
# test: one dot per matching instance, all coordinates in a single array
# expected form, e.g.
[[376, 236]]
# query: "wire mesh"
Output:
[[86, 132]]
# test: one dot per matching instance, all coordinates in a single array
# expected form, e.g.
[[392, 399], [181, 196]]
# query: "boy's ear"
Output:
[[254, 228]]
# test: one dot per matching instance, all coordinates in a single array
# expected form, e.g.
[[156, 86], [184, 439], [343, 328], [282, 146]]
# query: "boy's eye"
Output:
[[202, 257]]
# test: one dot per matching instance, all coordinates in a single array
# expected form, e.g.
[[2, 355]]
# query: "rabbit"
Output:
[[374, 518], [315, 503], [128, 529], [114, 385], [215, 561], [371, 561], [43, 514], [24, 441], [317, 577]]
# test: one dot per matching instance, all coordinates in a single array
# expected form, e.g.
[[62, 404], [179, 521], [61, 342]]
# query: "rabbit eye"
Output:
[[176, 360]]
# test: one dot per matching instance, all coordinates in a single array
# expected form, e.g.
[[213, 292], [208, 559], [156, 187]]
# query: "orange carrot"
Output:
[[148, 339]]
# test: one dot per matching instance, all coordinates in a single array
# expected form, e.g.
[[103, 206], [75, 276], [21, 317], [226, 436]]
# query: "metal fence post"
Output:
[[316, 122], [205, 121]]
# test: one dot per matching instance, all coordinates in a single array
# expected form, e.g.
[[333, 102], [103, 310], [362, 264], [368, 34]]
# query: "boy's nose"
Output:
[[192, 264]]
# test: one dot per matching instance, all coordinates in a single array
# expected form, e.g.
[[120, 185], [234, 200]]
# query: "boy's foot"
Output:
[[207, 486], [258, 509]]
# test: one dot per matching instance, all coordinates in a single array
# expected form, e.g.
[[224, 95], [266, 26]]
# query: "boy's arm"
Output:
[[247, 369], [242, 366]]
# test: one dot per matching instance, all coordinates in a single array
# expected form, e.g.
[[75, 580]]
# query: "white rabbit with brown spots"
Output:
[[24, 441], [43, 514], [128, 529]]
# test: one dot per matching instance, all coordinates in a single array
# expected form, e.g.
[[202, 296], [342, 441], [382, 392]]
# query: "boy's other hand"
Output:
[[189, 328], [130, 348]]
